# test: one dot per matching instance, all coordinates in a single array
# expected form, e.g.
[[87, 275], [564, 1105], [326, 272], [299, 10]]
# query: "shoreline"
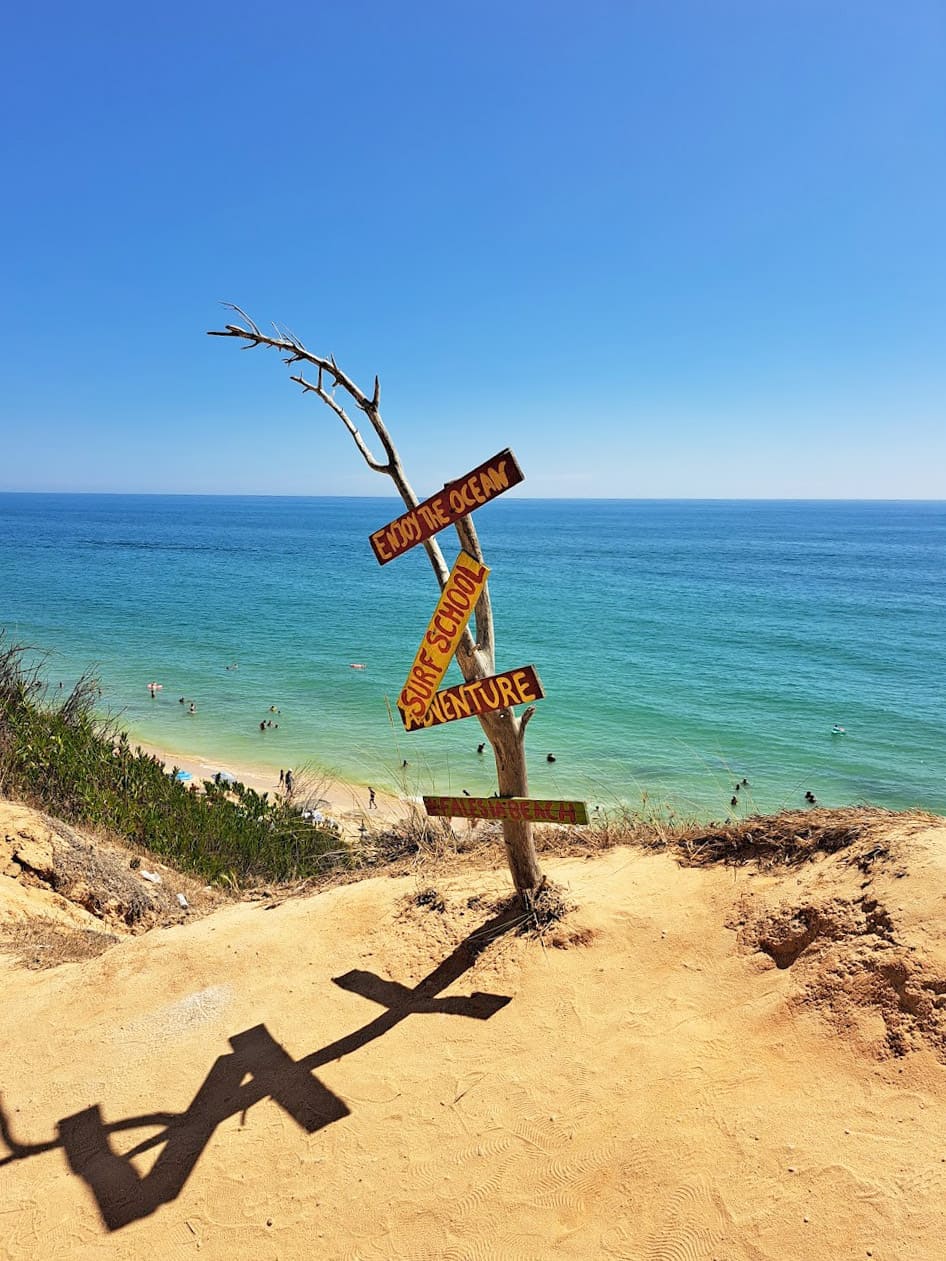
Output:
[[347, 802]]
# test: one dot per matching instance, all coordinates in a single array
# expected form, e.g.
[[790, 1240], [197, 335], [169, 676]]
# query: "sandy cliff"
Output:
[[720, 1061]]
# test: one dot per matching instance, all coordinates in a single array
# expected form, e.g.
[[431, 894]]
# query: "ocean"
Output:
[[683, 646]]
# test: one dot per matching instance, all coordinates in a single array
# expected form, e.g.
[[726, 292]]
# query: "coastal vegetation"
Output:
[[58, 755]]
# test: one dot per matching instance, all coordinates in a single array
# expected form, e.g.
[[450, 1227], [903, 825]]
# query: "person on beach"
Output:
[[282, 775], [371, 801], [288, 782]]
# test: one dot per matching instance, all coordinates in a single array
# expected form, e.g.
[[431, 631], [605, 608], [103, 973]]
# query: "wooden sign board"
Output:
[[457, 600], [499, 691], [447, 506], [508, 808]]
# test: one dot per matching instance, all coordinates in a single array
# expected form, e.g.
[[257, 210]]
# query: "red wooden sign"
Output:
[[508, 808], [448, 505], [514, 687]]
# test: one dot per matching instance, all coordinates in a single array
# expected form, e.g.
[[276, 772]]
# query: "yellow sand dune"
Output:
[[700, 1062]]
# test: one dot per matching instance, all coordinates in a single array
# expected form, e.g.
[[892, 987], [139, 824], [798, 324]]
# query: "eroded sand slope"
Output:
[[711, 1063]]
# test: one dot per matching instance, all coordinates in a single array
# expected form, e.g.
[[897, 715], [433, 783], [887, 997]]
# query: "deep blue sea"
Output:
[[682, 645]]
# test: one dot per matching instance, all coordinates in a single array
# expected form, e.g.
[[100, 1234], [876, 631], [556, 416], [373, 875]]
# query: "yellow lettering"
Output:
[[430, 517], [490, 694], [414, 705], [520, 681], [506, 689], [499, 477], [462, 702]]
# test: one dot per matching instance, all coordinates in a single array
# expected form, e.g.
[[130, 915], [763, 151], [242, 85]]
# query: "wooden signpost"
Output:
[[420, 704], [514, 687], [457, 600], [446, 507], [508, 808]]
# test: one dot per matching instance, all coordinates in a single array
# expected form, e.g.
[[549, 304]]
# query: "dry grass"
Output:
[[793, 836], [100, 875], [44, 943], [542, 916], [97, 874], [783, 839], [427, 848]]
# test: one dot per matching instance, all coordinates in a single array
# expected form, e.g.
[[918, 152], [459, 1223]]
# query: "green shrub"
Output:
[[65, 760]]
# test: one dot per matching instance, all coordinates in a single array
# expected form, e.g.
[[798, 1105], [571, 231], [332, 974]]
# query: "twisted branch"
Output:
[[475, 659], [308, 387], [285, 340]]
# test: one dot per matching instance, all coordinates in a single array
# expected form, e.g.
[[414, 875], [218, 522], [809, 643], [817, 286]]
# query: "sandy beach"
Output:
[[348, 803]]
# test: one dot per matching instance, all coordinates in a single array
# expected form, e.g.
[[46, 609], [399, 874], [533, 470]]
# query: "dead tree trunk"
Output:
[[504, 729]]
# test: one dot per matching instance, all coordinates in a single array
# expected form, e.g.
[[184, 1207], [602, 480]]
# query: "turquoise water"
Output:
[[682, 645]]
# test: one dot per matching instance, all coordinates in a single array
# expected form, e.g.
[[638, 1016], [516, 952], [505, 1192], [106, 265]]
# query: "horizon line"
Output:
[[214, 494]]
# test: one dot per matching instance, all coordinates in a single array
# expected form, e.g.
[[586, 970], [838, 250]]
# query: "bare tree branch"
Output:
[[308, 387], [474, 663], [524, 719], [297, 353], [483, 613], [231, 306]]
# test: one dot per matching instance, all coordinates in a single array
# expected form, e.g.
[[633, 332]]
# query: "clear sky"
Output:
[[693, 248]]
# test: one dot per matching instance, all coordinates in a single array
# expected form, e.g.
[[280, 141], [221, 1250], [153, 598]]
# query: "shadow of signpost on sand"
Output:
[[124, 1196]]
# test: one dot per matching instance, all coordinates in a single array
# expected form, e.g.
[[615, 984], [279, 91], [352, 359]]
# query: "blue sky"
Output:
[[659, 249]]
